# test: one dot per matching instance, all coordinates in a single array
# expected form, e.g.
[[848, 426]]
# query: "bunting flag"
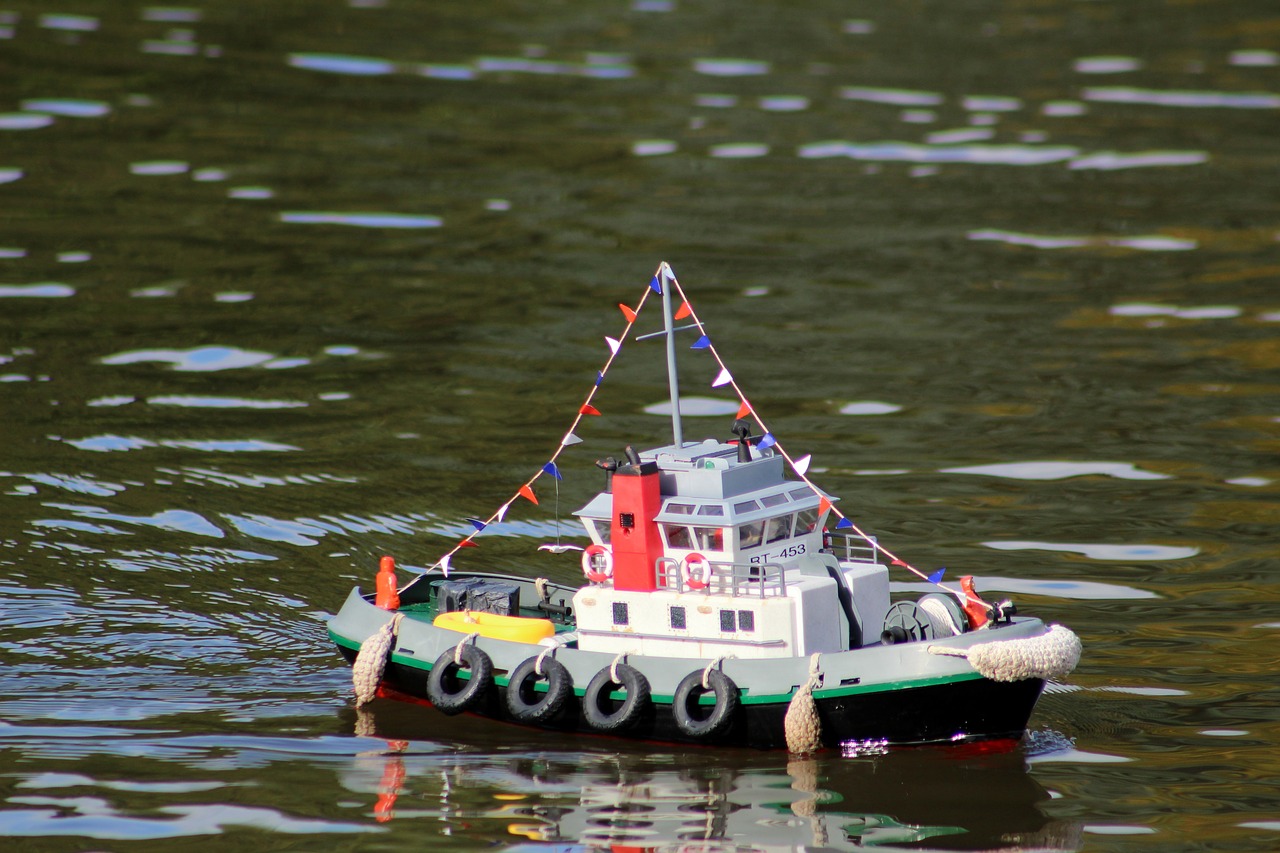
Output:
[[570, 440], [701, 343], [744, 410], [613, 343], [824, 504], [477, 524], [722, 379], [897, 562], [443, 563], [766, 441], [802, 464], [502, 511], [627, 312], [588, 409], [599, 377], [844, 524], [527, 493], [468, 543], [656, 285], [936, 577], [550, 468], [683, 311]]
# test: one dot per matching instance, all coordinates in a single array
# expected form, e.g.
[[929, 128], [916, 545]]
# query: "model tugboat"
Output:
[[722, 603]]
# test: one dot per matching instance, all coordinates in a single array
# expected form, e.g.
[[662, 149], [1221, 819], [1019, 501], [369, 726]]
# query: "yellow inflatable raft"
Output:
[[516, 629]]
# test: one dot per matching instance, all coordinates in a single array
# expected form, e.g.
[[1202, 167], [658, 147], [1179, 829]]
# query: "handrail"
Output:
[[727, 578], [856, 548]]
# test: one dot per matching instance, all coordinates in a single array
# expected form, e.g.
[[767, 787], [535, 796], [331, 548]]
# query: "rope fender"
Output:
[[1050, 655], [801, 725], [371, 660]]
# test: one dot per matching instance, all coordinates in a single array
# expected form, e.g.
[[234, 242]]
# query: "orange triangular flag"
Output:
[[467, 543], [823, 505], [588, 409], [683, 311], [526, 492], [744, 410], [627, 312]]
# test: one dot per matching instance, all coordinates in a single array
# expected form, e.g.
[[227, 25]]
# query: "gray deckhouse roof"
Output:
[[705, 485]]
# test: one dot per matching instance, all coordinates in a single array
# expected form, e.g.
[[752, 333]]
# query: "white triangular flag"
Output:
[[502, 511], [802, 464], [613, 343], [569, 440], [723, 379], [444, 565]]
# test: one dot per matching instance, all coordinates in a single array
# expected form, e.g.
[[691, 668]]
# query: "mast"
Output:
[[673, 382]]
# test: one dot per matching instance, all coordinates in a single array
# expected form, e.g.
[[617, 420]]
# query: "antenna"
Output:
[[673, 381]]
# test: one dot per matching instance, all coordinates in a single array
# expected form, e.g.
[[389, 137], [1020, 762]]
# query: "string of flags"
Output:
[[799, 465]]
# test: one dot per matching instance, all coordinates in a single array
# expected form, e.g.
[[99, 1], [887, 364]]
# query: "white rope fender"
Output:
[[371, 660], [801, 724], [1054, 653]]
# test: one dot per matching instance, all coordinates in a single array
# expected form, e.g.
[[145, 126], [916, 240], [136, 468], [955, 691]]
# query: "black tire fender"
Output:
[[598, 708], [688, 710], [451, 694], [525, 703]]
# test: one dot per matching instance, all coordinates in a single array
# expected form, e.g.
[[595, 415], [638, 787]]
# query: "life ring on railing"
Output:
[[605, 570], [598, 707], [524, 701], [697, 720], [447, 691], [696, 571]]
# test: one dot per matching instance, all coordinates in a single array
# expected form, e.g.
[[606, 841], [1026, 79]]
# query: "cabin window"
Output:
[[620, 614], [678, 536], [746, 506], [601, 530], [747, 620], [799, 494], [709, 538], [677, 618], [711, 509], [728, 620], [806, 520], [751, 534], [773, 500], [680, 509], [778, 528]]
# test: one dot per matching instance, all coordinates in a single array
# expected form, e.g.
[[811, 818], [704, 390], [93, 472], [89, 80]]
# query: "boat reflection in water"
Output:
[[953, 798]]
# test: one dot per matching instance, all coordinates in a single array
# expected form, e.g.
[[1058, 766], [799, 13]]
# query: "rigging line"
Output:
[[869, 539], [613, 354]]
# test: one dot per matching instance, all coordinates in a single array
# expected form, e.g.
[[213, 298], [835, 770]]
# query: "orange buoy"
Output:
[[974, 607], [388, 597]]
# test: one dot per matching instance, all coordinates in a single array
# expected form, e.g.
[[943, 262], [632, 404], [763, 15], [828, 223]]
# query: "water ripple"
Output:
[[1183, 98], [1059, 470]]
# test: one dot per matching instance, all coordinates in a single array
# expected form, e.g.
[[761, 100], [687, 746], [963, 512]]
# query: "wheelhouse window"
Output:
[[677, 536], [751, 534], [778, 528], [709, 538], [601, 530], [679, 509], [806, 520]]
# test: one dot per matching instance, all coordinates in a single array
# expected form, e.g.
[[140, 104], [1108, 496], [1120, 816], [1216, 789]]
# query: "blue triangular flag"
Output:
[[936, 577], [703, 343], [599, 377], [844, 524], [477, 524], [550, 468], [766, 441], [656, 286]]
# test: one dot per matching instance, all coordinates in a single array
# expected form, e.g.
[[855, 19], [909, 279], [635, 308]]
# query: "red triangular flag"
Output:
[[467, 543], [744, 410], [823, 505], [588, 409], [526, 492], [627, 312], [684, 311], [897, 562]]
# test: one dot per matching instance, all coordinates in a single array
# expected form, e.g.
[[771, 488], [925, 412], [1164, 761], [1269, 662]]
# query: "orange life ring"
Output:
[[696, 571], [589, 563]]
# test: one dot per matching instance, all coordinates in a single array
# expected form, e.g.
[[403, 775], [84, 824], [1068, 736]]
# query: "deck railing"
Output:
[[851, 547], [727, 578]]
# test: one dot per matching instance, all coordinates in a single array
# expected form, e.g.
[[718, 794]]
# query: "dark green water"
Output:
[[287, 286]]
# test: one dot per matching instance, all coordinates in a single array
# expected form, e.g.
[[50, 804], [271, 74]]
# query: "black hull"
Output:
[[961, 710]]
